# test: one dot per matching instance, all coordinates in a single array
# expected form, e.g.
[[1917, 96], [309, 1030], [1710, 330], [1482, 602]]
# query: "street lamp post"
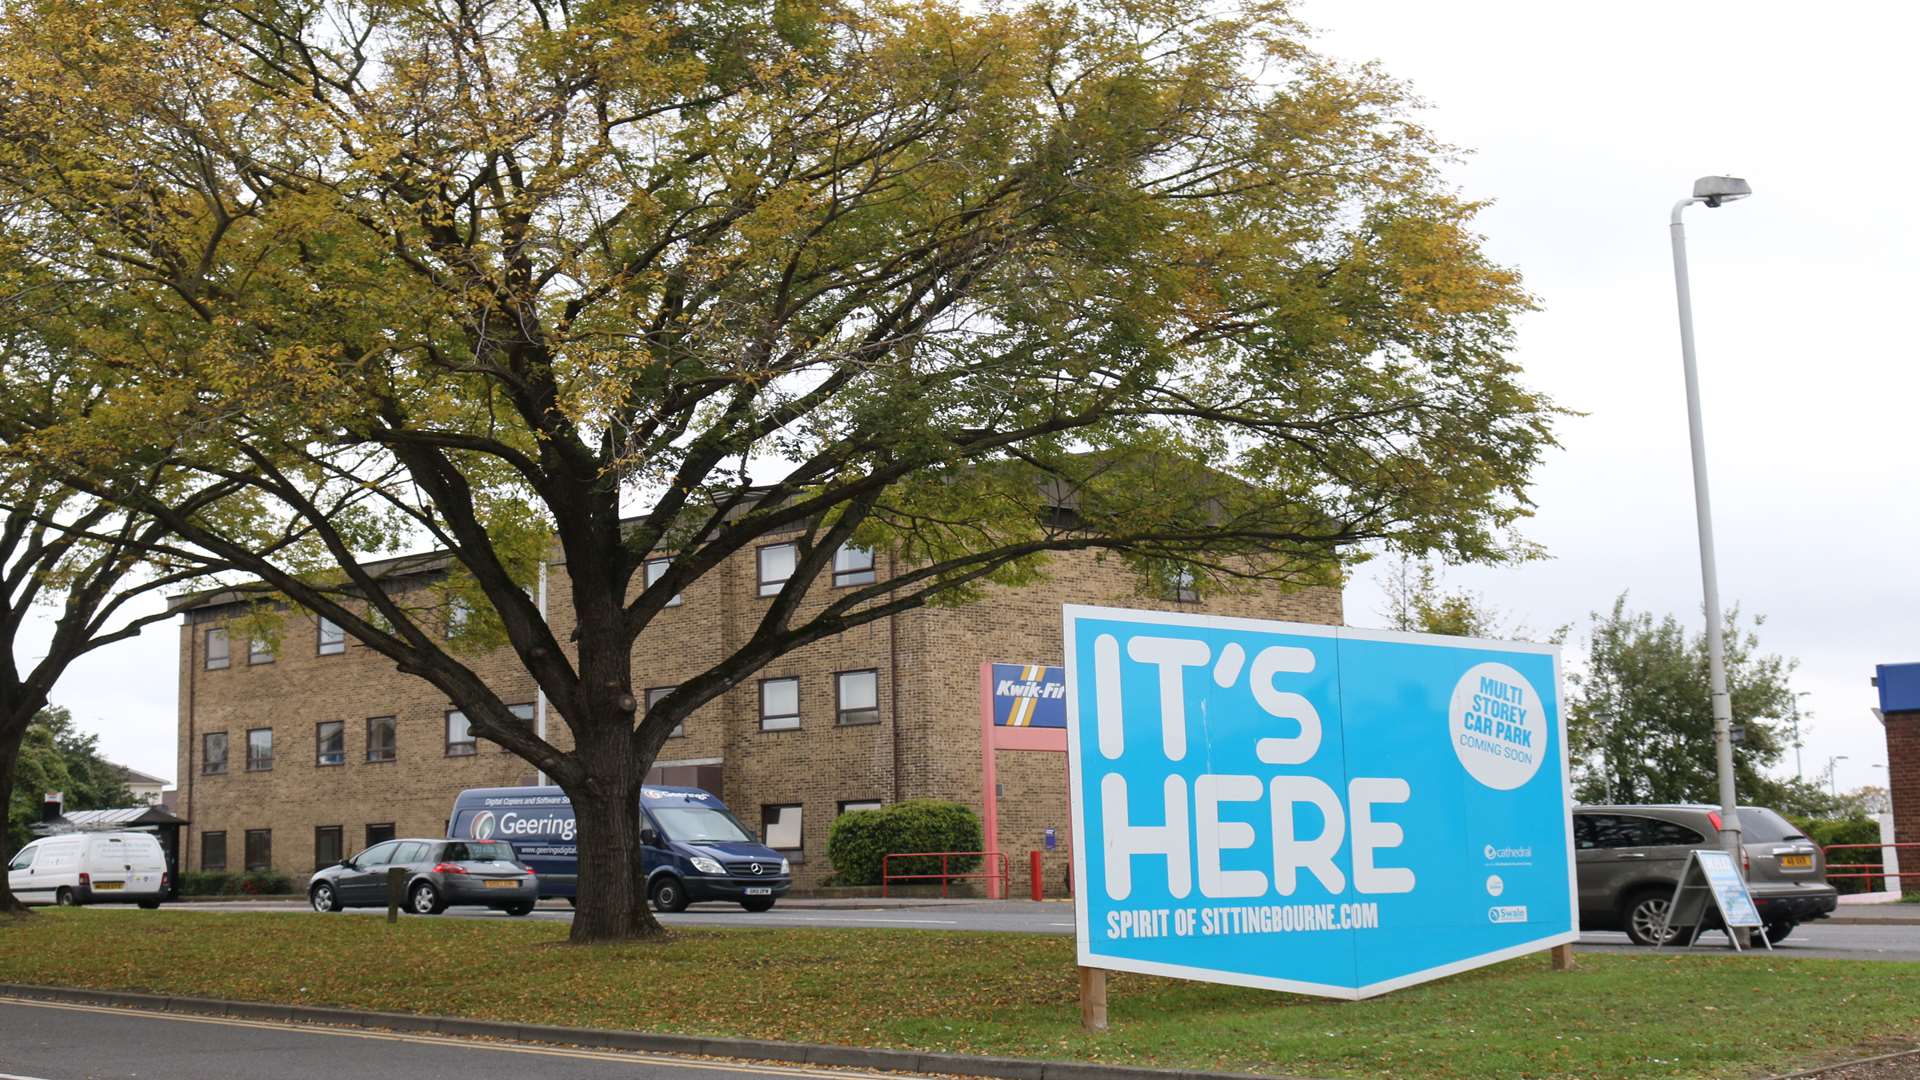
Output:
[[1799, 770], [1833, 786], [1712, 190]]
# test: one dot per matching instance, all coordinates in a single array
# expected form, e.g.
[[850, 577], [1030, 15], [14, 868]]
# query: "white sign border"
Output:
[[1070, 613]]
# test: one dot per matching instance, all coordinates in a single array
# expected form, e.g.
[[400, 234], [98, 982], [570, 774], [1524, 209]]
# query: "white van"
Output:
[[90, 868]]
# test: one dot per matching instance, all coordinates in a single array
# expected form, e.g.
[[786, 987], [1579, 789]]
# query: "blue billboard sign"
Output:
[[1315, 809], [1029, 695]]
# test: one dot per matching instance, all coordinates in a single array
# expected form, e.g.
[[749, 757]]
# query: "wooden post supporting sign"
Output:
[[1093, 999], [396, 892], [1563, 958]]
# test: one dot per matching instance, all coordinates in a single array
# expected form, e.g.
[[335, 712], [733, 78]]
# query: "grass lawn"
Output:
[[1618, 1016]]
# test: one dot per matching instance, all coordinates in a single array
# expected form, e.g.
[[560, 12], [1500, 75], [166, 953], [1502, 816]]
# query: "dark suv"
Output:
[[1630, 858]]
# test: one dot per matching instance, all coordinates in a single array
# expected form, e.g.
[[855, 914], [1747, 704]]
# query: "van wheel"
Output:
[[669, 895], [323, 898], [1777, 931], [1646, 916], [426, 900], [758, 903], [65, 897], [149, 905], [517, 910]]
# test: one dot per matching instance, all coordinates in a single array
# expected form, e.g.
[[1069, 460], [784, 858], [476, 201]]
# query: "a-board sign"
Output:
[[1711, 881], [1312, 808]]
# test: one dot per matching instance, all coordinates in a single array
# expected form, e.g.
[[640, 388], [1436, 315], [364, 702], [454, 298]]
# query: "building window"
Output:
[[217, 649], [260, 749], [524, 714], [259, 849], [657, 569], [654, 694], [330, 744], [779, 704], [213, 851], [213, 753], [1180, 586], [780, 825], [458, 611], [333, 640], [853, 565], [460, 741], [776, 566], [259, 651], [328, 844], [379, 834], [380, 739], [856, 697], [860, 804]]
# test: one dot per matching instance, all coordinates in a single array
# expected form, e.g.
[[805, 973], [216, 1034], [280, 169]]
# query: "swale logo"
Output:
[[483, 825]]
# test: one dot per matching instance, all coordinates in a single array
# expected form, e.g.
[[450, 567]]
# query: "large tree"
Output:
[[973, 286], [78, 572], [1641, 721]]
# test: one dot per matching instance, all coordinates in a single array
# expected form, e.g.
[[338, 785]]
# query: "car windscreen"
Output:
[[699, 825], [1758, 825], [479, 851]]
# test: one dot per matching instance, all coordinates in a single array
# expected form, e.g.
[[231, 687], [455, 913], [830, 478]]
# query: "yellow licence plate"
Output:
[[1796, 862], [106, 886], [503, 884]]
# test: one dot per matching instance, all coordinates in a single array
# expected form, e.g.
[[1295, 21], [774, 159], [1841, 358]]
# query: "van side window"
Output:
[[24, 859]]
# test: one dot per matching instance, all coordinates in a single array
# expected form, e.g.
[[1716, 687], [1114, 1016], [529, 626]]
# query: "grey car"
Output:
[[439, 874], [1630, 857]]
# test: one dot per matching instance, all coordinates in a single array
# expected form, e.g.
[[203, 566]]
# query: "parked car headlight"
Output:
[[707, 866], [786, 867]]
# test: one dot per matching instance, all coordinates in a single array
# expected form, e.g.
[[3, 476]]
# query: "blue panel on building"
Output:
[[1899, 687]]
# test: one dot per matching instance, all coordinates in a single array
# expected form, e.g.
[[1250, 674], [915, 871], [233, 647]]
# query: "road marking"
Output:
[[629, 1058], [17, 1076]]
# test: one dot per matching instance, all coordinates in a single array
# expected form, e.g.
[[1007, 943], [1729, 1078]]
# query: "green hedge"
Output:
[[861, 838], [1824, 831], [222, 883]]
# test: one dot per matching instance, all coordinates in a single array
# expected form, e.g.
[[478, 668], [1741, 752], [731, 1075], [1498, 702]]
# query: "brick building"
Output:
[[296, 752], [1899, 687]]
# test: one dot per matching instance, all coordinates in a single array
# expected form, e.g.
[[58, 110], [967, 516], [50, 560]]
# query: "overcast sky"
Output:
[[1586, 123]]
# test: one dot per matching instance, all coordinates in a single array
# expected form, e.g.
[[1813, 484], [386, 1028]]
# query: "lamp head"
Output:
[[1714, 190]]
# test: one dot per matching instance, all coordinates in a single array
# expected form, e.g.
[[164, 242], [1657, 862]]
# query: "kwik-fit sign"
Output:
[[1029, 695], [1310, 808]]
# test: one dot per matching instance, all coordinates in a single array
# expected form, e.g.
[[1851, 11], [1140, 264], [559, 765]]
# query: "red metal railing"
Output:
[[1872, 870], [995, 868]]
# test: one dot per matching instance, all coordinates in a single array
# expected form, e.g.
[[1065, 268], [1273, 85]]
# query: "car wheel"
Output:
[[1646, 918], [149, 905], [425, 899], [1777, 931], [323, 898], [65, 897], [669, 895], [517, 910], [758, 903]]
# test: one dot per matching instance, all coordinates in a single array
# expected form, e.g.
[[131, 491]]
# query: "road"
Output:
[[42, 1041], [1819, 939]]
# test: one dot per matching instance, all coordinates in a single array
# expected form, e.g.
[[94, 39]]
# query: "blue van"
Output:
[[694, 848]]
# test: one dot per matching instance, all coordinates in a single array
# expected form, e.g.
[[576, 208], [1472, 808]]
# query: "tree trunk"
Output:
[[9, 757], [612, 885]]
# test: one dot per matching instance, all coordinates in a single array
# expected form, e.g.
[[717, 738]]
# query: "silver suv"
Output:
[[1630, 858]]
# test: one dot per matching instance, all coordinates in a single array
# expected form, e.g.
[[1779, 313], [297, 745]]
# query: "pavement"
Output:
[[1857, 933], [49, 1041]]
